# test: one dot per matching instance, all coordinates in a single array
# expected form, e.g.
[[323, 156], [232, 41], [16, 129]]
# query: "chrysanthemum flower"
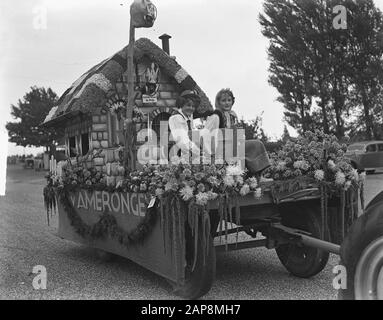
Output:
[[253, 183], [340, 178], [244, 190], [186, 193], [212, 195], [234, 170], [159, 192], [319, 175], [258, 193], [201, 187], [229, 181], [202, 198]]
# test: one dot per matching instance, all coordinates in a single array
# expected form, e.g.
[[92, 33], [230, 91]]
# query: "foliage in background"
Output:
[[30, 112], [325, 75]]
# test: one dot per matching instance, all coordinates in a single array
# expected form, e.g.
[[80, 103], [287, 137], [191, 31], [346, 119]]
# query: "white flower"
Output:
[[281, 165], [362, 176], [202, 198], [319, 175], [244, 190], [213, 180], [301, 164], [168, 186], [347, 185], [159, 192], [229, 181], [186, 193], [331, 164], [340, 178], [258, 193], [355, 175], [171, 185], [253, 183], [212, 195], [234, 170], [239, 179]]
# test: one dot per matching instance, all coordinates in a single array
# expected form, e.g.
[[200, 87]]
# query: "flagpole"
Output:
[[142, 15]]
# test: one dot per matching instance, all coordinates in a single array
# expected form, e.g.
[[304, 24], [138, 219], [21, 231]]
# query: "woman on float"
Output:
[[256, 157]]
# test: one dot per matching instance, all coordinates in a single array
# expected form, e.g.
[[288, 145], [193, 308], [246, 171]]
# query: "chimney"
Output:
[[165, 42]]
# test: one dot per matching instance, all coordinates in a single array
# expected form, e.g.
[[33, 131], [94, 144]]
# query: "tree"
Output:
[[30, 113], [290, 69], [324, 74], [366, 51]]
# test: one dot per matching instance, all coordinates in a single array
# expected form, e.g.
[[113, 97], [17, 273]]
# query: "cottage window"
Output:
[[84, 143], [161, 120], [72, 147]]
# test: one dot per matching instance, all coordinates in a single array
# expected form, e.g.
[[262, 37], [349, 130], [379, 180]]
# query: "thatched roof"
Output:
[[92, 89]]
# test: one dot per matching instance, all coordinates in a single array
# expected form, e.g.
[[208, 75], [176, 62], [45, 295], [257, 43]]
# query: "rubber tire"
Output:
[[367, 228], [307, 219], [200, 280]]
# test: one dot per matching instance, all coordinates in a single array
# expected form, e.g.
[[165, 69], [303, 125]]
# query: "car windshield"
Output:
[[356, 147]]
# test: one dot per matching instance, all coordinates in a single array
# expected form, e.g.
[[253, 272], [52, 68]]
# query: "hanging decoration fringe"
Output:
[[362, 196], [50, 202]]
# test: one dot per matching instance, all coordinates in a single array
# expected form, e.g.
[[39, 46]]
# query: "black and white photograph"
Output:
[[191, 150]]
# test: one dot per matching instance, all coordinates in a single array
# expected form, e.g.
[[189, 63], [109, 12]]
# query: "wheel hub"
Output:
[[369, 272]]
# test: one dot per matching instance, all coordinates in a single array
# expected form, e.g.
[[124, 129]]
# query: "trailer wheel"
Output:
[[298, 259], [199, 281], [362, 255]]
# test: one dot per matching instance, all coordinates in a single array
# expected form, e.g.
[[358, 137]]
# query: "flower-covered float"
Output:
[[165, 216]]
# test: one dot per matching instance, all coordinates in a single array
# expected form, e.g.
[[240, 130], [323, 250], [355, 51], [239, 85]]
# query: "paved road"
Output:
[[75, 272]]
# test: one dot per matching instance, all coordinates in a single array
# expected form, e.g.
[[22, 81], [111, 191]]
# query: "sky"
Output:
[[219, 42]]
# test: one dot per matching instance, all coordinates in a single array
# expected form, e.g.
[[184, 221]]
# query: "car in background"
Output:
[[366, 155]]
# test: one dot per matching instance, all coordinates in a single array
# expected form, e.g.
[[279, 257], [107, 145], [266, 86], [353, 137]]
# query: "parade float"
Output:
[[172, 218]]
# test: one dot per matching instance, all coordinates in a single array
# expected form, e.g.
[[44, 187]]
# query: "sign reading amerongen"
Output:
[[126, 203]]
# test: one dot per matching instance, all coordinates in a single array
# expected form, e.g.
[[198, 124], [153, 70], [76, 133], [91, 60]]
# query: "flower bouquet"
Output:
[[316, 158]]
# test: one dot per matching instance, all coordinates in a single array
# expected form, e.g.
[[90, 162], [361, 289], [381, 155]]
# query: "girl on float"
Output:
[[181, 125], [256, 157]]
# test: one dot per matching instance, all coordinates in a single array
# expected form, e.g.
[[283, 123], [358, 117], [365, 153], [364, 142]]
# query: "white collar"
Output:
[[184, 115]]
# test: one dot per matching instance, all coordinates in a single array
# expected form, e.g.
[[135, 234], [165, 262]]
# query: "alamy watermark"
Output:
[[340, 20], [40, 280], [340, 279], [206, 147], [40, 17]]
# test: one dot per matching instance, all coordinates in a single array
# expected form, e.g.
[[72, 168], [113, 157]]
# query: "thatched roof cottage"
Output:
[[89, 109]]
